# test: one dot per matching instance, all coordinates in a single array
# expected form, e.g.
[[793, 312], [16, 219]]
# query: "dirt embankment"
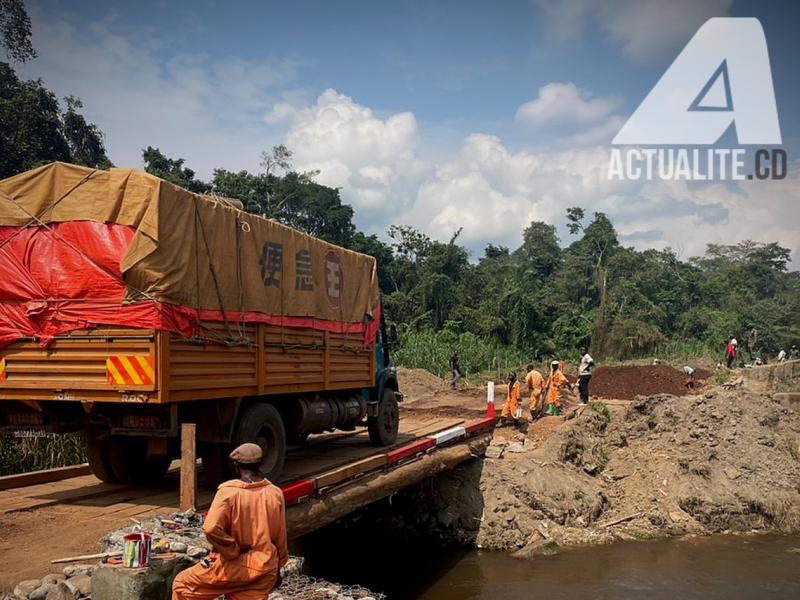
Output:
[[660, 465], [665, 465]]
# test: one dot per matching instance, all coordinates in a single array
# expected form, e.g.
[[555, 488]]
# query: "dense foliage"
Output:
[[36, 130]]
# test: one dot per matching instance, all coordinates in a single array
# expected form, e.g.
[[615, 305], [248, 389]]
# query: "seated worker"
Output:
[[246, 526]]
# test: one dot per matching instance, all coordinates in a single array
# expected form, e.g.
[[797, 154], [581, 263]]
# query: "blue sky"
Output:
[[416, 109]]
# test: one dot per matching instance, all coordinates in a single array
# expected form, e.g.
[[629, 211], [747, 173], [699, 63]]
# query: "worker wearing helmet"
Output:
[[246, 526], [555, 382]]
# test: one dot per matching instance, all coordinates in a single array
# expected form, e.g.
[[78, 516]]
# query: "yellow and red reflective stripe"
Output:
[[2, 369], [130, 370]]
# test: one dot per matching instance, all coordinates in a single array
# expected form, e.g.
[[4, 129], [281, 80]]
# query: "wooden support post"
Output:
[[188, 467]]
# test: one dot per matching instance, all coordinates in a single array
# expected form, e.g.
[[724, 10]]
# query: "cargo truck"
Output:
[[129, 306]]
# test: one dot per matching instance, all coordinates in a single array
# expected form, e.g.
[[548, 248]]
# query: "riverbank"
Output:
[[723, 460]]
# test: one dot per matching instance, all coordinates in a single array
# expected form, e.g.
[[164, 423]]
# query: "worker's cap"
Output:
[[555, 363], [247, 454]]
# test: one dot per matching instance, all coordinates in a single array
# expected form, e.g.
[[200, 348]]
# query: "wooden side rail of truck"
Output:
[[128, 390]]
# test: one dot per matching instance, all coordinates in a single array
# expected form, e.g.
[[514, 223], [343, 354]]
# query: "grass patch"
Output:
[[46, 451], [481, 358], [601, 455], [720, 376], [579, 495], [601, 409]]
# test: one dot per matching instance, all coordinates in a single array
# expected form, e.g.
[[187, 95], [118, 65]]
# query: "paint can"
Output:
[[136, 549]]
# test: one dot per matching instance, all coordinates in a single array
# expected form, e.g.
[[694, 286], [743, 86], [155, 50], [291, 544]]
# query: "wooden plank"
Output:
[[351, 470], [188, 467], [44, 476]]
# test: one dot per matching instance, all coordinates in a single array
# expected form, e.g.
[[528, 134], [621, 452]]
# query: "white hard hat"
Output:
[[555, 363]]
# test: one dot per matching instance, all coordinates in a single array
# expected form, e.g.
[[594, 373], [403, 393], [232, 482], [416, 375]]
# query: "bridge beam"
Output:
[[316, 513]]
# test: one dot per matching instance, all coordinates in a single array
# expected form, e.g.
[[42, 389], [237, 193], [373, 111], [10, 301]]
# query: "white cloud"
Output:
[[647, 30], [373, 159], [564, 103], [208, 110], [493, 193]]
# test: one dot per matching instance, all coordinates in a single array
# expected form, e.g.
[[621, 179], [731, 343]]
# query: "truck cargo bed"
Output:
[[133, 365]]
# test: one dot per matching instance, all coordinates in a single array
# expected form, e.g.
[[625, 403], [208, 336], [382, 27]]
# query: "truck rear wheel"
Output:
[[130, 463], [99, 458], [384, 426], [261, 424]]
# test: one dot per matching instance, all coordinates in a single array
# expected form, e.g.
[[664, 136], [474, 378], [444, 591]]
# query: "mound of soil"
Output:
[[419, 383], [627, 382]]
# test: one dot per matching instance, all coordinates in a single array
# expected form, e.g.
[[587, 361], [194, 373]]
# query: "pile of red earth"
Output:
[[627, 382]]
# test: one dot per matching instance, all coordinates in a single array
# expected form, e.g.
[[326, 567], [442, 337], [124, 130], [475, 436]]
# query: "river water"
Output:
[[721, 567]]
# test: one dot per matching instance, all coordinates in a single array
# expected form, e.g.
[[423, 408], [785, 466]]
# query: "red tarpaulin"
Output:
[[66, 276]]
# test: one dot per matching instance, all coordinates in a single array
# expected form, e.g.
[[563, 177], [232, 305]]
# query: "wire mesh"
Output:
[[303, 587]]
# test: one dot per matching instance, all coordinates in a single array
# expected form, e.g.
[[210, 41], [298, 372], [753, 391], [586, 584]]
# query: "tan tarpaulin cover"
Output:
[[196, 251]]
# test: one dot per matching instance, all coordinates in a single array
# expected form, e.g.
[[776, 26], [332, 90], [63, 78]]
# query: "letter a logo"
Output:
[[721, 77]]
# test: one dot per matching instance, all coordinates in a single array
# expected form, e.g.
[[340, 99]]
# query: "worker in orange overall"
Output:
[[511, 409], [535, 384], [555, 383], [246, 526]]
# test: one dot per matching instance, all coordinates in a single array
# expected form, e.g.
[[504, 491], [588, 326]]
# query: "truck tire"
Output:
[[261, 424], [130, 463], [99, 457], [384, 426]]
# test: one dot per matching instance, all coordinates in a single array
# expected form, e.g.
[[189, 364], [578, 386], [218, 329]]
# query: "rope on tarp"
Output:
[[50, 206], [231, 340]]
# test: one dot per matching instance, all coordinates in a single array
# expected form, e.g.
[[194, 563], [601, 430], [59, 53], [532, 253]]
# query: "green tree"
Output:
[[34, 131], [85, 140], [172, 170], [30, 125], [15, 31]]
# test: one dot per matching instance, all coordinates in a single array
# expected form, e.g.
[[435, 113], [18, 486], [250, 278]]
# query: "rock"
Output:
[[677, 516], [732, 473], [178, 547], [73, 570], [293, 567], [81, 585], [118, 583], [196, 552], [60, 592], [494, 451], [515, 447], [161, 546], [53, 578], [24, 588], [41, 592]]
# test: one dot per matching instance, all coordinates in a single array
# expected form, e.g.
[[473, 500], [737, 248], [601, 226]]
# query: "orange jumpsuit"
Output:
[[242, 515], [557, 381], [512, 401], [535, 383]]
